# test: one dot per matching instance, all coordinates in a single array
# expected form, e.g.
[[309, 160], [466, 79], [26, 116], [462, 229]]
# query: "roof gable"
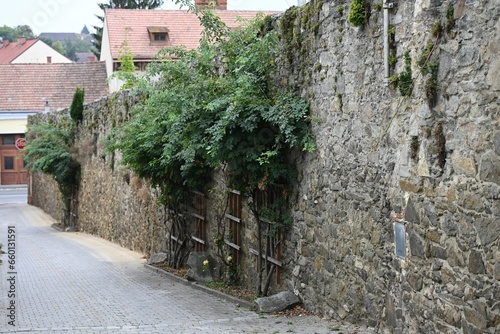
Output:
[[183, 28], [9, 51], [28, 86]]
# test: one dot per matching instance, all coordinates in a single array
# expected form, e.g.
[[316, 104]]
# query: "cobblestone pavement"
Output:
[[77, 283]]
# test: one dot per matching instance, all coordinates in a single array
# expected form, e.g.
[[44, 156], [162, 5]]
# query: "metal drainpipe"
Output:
[[386, 7]]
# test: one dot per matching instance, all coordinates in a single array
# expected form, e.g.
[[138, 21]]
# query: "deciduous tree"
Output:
[[217, 106]]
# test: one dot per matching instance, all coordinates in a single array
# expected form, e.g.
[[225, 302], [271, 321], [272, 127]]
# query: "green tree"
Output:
[[49, 42], [25, 31], [76, 108], [128, 4], [72, 46], [216, 106], [12, 34], [58, 47]]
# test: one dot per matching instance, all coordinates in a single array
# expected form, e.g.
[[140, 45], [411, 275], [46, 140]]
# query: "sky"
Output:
[[72, 15]]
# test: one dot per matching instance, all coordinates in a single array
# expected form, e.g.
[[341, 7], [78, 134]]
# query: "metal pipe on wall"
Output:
[[386, 42]]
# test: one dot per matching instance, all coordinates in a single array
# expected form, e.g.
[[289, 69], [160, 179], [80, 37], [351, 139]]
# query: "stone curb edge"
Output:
[[195, 285]]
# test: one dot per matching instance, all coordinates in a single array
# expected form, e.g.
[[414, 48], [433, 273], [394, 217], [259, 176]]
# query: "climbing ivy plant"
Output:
[[215, 106]]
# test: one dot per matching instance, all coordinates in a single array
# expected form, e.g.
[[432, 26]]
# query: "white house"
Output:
[[148, 31], [32, 51]]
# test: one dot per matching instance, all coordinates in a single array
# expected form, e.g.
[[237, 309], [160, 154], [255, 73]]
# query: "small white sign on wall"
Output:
[[400, 238]]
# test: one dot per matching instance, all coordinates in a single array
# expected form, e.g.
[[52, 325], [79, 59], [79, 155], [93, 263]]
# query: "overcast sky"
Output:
[[72, 15]]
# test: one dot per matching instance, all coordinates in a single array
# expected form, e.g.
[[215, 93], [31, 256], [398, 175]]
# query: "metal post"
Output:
[[386, 7]]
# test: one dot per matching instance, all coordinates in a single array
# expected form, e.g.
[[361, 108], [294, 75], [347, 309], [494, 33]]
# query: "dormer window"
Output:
[[158, 35]]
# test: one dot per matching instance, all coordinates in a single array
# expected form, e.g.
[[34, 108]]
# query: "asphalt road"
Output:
[[12, 195]]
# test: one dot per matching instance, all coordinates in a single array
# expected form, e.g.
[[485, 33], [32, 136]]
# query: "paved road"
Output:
[[13, 194], [77, 283]]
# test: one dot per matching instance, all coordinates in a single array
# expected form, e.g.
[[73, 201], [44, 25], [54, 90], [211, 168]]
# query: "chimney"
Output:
[[21, 40], [49, 60], [5, 42], [47, 106], [219, 4], [91, 59]]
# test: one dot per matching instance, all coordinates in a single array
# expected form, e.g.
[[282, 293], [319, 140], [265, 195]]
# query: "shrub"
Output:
[[76, 109]]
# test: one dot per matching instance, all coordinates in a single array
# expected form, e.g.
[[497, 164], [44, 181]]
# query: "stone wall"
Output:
[[112, 202], [46, 195], [382, 159]]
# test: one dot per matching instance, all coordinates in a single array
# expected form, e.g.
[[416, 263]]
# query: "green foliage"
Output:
[[340, 9], [73, 46], [431, 84], [393, 81], [12, 34], [392, 31], [215, 106], [69, 47], [127, 69], [76, 108], [392, 59], [425, 57], [49, 152], [437, 28], [276, 215], [450, 19], [405, 81], [357, 13], [58, 47]]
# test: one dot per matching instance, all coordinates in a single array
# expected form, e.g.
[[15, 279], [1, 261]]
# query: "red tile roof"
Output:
[[184, 28], [9, 51], [27, 86]]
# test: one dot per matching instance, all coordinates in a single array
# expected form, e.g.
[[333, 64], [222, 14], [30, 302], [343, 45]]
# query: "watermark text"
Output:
[[11, 275]]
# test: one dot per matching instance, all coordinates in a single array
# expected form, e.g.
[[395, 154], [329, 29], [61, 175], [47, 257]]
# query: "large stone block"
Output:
[[489, 167], [417, 246], [465, 165], [488, 229], [449, 314], [494, 74], [476, 318], [203, 267], [157, 258], [279, 302], [476, 264]]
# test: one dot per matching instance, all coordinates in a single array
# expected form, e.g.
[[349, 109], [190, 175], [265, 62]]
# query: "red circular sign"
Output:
[[20, 143]]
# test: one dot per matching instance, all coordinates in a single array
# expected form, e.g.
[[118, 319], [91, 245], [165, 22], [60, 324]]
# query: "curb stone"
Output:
[[195, 285]]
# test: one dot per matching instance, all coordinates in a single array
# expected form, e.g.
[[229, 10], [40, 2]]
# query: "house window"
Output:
[[160, 37], [8, 139], [8, 163]]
